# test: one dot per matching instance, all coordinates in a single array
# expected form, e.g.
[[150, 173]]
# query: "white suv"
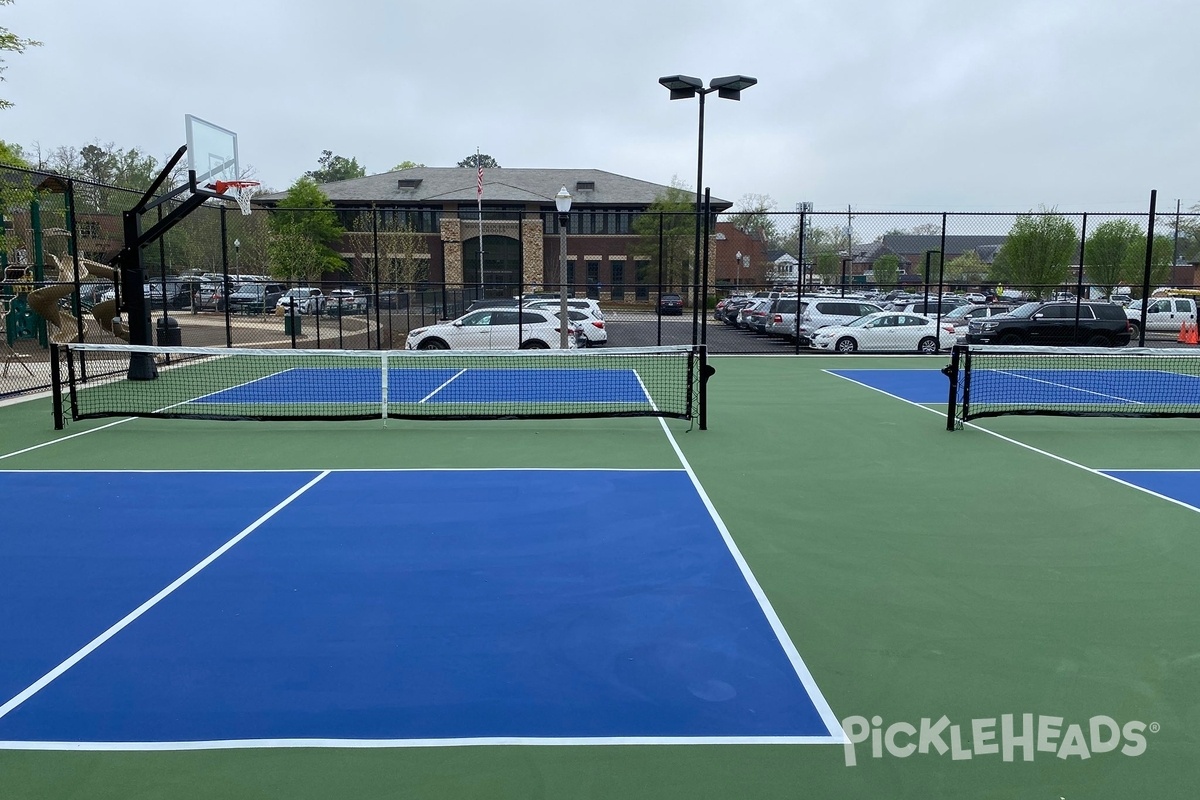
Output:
[[584, 304], [494, 329], [839, 311], [306, 299]]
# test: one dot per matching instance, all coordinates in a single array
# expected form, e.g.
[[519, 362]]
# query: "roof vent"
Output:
[[585, 186], [408, 183]]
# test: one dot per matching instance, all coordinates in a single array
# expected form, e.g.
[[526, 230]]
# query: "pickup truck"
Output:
[[1163, 315]]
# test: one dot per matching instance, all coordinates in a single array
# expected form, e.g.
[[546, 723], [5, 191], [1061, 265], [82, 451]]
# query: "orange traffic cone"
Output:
[[1193, 336], [1184, 333]]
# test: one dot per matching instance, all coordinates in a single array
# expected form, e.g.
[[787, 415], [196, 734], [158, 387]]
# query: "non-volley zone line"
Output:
[[437, 385], [582, 618]]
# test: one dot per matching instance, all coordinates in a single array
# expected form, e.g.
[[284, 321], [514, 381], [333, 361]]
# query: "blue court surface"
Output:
[[152, 609], [435, 385], [1037, 387], [1181, 486]]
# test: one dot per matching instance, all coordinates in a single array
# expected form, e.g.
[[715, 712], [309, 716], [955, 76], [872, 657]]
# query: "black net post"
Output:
[[56, 386], [951, 372]]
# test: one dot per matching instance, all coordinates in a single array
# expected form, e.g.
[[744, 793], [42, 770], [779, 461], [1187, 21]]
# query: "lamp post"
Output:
[[844, 260], [737, 276], [681, 88], [562, 201], [237, 252]]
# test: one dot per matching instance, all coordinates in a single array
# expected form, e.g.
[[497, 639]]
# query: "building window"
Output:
[[593, 279], [641, 289], [571, 275], [618, 280]]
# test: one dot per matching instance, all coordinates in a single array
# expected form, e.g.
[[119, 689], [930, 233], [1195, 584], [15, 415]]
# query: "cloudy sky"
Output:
[[922, 105]]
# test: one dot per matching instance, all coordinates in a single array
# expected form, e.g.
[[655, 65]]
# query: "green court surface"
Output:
[[920, 574]]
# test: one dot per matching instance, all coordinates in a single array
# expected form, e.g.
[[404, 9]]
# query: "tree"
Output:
[[1112, 254], [304, 229], [480, 160], [753, 216], [12, 155], [335, 168], [966, 269], [887, 272], [405, 165], [1038, 252], [403, 251], [828, 267], [676, 209], [11, 43]]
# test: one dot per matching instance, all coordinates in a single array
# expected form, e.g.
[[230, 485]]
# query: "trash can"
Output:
[[169, 334], [292, 323]]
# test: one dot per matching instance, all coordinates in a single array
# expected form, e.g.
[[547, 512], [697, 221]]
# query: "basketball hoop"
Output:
[[245, 191]]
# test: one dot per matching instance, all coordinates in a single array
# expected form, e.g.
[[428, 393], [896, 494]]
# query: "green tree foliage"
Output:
[[828, 267], [1038, 253], [966, 269], [1115, 253], [406, 165], [887, 272], [304, 231], [676, 209], [335, 168], [12, 155], [11, 43], [475, 161]]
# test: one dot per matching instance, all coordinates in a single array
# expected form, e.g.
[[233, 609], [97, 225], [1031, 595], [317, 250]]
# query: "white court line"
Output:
[[350, 744], [1031, 448], [80, 654], [1066, 386], [443, 386], [836, 735]]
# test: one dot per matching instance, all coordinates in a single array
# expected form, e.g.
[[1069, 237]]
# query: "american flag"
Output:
[[479, 185]]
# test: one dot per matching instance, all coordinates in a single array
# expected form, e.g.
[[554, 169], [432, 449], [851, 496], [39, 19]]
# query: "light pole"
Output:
[[683, 87], [237, 252], [562, 201], [737, 276]]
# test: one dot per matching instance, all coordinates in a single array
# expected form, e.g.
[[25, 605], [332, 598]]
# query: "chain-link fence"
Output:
[[368, 277]]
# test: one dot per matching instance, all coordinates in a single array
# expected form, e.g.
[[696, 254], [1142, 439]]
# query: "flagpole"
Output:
[[479, 204]]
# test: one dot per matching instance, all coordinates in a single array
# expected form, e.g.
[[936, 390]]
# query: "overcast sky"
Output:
[[921, 105]]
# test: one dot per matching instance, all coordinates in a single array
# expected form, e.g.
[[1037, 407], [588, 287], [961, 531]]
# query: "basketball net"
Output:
[[243, 192]]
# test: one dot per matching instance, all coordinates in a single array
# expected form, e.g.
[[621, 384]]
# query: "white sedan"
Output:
[[885, 331], [493, 329]]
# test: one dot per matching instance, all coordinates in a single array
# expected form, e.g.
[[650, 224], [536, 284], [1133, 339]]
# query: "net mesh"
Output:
[[1075, 381], [220, 383]]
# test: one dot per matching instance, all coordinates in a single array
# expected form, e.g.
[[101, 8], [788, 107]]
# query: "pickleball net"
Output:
[[243, 384], [1072, 381]]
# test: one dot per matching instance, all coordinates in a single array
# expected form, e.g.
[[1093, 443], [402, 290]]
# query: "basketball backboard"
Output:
[[212, 152]]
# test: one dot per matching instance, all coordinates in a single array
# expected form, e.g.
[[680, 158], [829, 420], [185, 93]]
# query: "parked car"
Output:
[[753, 317], [585, 304], [782, 317], [593, 331], [211, 295], [494, 329], [831, 311], [930, 307], [670, 304], [346, 301], [732, 306], [256, 297], [960, 318], [1053, 323], [886, 331], [305, 300], [494, 302], [1163, 314]]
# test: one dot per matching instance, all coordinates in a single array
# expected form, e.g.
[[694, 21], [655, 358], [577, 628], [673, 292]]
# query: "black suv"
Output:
[[1053, 323]]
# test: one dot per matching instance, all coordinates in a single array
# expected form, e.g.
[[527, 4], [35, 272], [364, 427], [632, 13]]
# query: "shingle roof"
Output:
[[500, 185]]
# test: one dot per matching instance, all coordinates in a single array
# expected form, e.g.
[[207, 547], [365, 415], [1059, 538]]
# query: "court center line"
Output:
[[1066, 386], [84, 651], [443, 386], [1019, 443], [836, 735]]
